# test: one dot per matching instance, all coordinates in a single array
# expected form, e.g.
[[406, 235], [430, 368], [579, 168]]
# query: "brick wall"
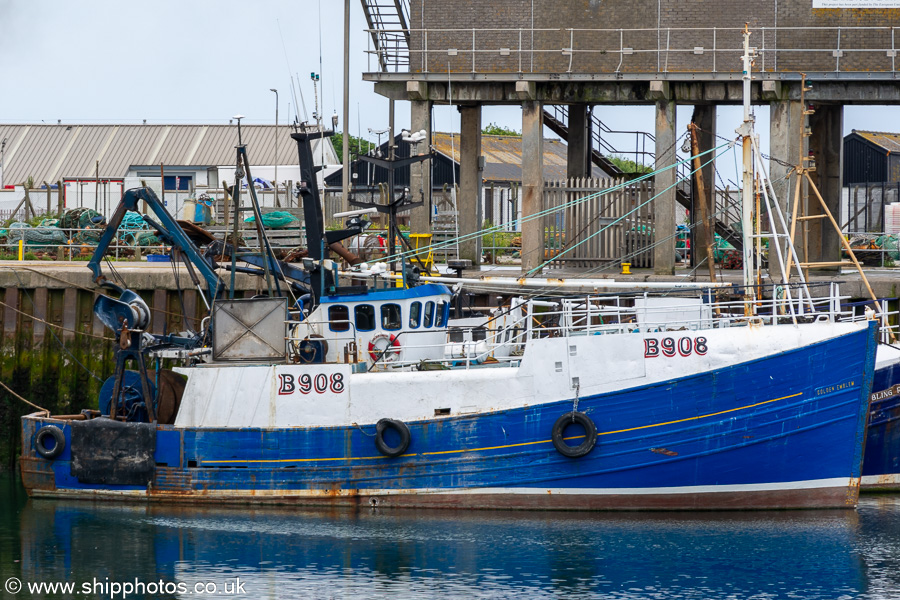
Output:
[[496, 27]]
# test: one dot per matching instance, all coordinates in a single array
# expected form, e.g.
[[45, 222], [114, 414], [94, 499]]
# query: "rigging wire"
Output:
[[602, 229], [545, 212]]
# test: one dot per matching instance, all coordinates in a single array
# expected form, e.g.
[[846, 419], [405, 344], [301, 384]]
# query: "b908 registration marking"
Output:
[[669, 347]]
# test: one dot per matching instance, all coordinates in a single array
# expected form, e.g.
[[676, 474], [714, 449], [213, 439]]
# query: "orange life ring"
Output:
[[389, 352]]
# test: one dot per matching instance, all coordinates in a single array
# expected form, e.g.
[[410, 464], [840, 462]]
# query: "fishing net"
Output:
[[143, 238], [889, 244], [274, 220], [36, 237], [82, 218], [134, 231], [89, 221]]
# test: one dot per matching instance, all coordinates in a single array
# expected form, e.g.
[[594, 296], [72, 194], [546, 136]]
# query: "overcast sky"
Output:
[[203, 61]]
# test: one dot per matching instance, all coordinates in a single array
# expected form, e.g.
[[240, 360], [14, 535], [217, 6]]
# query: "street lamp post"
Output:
[[276, 145], [2, 152]]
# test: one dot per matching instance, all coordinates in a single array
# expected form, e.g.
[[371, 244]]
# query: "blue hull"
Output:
[[786, 431], [881, 465]]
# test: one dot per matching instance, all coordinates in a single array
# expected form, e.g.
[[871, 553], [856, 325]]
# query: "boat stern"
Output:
[[40, 453]]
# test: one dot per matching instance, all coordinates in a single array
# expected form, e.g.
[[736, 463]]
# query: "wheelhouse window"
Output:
[[415, 315], [338, 318], [365, 317], [443, 308], [429, 314], [391, 317]]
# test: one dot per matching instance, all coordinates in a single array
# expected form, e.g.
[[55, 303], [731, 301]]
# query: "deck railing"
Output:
[[834, 49], [501, 340]]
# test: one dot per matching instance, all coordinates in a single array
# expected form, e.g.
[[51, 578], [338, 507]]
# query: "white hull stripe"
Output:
[[888, 478]]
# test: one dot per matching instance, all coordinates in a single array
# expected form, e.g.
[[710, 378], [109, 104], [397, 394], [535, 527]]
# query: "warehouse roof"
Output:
[[503, 156], [884, 139], [50, 152]]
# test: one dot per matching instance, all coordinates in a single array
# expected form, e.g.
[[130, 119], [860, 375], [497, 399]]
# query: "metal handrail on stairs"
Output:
[[556, 119]]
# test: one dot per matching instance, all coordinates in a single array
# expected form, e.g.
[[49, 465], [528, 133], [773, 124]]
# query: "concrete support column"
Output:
[[468, 203], [664, 204], [578, 153], [420, 174], [532, 183], [786, 144], [826, 145], [705, 118]]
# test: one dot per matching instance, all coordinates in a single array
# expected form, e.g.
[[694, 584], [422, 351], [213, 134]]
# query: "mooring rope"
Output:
[[32, 404]]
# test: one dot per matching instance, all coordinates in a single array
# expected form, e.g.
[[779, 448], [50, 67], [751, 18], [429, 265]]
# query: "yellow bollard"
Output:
[[21, 249], [626, 268]]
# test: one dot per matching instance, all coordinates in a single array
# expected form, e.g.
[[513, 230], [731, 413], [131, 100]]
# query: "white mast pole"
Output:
[[746, 132]]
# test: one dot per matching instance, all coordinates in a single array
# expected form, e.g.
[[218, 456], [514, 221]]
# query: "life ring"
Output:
[[385, 352], [59, 442], [401, 429], [590, 434]]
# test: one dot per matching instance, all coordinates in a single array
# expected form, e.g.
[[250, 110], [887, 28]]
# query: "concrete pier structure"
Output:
[[665, 187], [468, 202], [786, 145], [656, 52], [532, 183], [420, 174], [826, 146], [578, 159], [704, 118]]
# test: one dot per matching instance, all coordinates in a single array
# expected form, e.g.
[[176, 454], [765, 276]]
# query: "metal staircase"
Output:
[[556, 119], [445, 226], [388, 23]]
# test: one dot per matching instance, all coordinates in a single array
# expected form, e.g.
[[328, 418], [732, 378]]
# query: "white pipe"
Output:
[[353, 213], [590, 284]]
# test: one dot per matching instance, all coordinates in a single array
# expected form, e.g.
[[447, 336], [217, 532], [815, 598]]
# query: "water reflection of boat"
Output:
[[411, 554]]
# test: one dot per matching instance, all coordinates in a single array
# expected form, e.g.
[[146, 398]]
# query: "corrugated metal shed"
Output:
[[871, 157], [51, 152], [502, 155]]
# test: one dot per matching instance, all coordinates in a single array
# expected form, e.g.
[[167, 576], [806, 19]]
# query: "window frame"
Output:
[[428, 315], [415, 307], [399, 316], [346, 324], [374, 321]]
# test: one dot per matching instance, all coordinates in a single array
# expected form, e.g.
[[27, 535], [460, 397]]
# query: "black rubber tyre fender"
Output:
[[398, 426], [59, 439], [590, 437]]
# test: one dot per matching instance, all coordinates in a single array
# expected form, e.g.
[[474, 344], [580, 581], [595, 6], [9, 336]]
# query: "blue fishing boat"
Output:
[[881, 464], [345, 389]]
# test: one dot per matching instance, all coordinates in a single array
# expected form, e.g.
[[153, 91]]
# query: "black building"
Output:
[[871, 157]]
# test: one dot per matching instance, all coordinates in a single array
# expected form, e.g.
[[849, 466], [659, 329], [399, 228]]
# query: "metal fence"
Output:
[[864, 206], [833, 49], [584, 228]]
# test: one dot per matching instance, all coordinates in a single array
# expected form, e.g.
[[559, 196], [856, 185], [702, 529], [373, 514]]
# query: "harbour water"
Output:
[[372, 553]]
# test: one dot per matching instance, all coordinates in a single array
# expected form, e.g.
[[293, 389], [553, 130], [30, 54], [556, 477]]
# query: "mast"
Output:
[[746, 132]]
